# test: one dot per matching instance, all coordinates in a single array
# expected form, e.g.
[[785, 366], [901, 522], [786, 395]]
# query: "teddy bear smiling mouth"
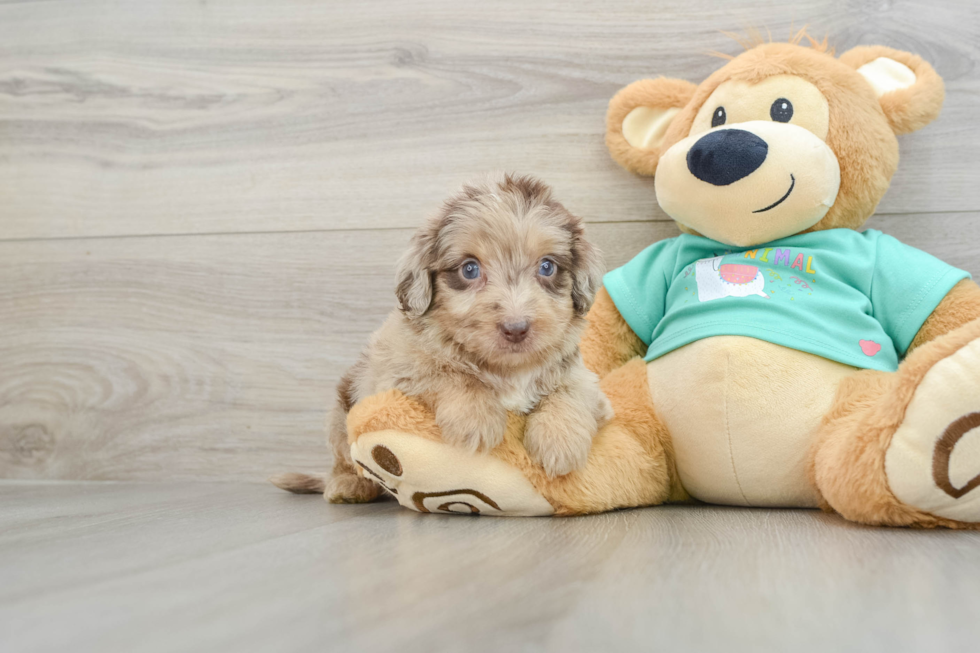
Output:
[[792, 185]]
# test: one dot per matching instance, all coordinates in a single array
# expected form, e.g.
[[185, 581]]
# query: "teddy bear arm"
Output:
[[608, 342], [960, 306]]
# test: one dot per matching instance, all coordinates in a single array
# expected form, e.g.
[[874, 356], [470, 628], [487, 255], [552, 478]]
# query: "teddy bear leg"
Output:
[[903, 448], [396, 442], [631, 463]]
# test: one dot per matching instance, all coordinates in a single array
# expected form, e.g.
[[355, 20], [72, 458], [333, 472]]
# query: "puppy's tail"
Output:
[[299, 483]]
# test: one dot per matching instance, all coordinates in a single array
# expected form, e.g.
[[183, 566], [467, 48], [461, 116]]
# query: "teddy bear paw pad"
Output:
[[434, 477], [933, 461]]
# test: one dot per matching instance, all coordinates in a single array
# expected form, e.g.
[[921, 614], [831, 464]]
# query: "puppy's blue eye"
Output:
[[547, 268], [470, 270]]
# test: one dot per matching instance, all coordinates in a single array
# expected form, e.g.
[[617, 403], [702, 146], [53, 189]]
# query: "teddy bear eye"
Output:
[[718, 117], [781, 110]]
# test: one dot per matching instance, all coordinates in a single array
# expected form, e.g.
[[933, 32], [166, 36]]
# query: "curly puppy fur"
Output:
[[493, 293]]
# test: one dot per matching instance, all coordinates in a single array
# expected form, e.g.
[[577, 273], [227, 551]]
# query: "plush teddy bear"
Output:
[[771, 355]]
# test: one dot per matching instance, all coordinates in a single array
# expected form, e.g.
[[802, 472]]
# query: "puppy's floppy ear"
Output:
[[638, 118], [587, 267], [909, 90], [414, 276]]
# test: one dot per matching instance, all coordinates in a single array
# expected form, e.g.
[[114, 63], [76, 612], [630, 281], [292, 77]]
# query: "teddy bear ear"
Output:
[[638, 118], [910, 91]]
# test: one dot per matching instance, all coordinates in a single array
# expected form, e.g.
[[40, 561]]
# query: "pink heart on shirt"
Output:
[[869, 347]]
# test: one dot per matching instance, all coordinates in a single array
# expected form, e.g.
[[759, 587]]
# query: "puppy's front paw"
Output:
[[351, 488], [560, 442], [473, 428], [604, 411]]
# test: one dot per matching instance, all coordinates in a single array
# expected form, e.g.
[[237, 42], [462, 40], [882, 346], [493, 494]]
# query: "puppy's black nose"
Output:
[[515, 331], [725, 156]]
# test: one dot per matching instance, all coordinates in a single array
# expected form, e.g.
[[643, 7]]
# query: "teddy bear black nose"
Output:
[[725, 156]]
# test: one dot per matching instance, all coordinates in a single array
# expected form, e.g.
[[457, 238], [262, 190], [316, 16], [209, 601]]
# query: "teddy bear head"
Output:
[[782, 139]]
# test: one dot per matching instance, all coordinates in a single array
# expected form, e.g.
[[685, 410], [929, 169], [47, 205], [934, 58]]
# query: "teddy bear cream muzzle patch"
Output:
[[748, 183]]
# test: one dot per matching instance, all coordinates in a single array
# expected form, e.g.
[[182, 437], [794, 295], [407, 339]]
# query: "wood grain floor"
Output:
[[243, 567], [200, 206]]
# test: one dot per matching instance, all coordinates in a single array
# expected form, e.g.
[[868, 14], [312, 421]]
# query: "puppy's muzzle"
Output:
[[515, 331]]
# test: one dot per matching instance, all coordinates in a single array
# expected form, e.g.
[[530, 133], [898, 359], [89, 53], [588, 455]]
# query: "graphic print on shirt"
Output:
[[869, 347], [716, 280]]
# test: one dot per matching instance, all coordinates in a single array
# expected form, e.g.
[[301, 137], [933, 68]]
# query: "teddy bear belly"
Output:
[[742, 414]]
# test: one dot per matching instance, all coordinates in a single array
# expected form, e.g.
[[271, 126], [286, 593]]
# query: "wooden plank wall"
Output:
[[201, 202]]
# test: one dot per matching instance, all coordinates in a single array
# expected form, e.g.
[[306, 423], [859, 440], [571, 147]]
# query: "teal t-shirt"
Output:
[[856, 298]]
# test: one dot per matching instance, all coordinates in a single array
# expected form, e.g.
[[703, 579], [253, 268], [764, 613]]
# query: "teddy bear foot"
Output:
[[933, 460], [434, 477]]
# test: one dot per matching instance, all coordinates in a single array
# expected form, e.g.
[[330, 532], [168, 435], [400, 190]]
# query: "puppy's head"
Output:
[[503, 271]]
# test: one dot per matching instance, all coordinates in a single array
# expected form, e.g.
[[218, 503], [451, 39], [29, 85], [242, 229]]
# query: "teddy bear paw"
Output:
[[933, 461], [435, 477]]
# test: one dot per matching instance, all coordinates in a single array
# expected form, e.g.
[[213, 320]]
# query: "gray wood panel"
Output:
[[245, 567], [248, 115], [195, 357], [192, 356]]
